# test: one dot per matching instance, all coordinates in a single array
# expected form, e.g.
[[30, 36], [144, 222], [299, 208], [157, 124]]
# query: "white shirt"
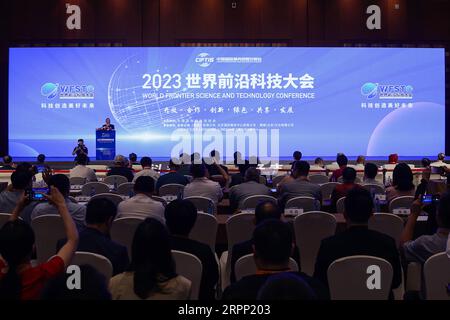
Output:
[[317, 167], [141, 206], [438, 163], [148, 172], [81, 171], [203, 187]]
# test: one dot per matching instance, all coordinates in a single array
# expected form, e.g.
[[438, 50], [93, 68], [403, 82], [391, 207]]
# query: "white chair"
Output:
[[246, 266], [115, 198], [203, 204], [91, 188], [348, 278], [156, 198], [340, 205], [171, 189], [252, 201], [387, 223], [318, 178], [122, 231], [126, 189], [401, 202], [326, 189], [277, 179], [190, 267], [115, 180], [310, 229], [239, 228], [436, 272], [205, 230], [48, 230], [77, 181], [305, 203], [374, 188], [97, 261]]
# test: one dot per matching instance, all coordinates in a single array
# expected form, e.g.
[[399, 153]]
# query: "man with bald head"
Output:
[[250, 187]]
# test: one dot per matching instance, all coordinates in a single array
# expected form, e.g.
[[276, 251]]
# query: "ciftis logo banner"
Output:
[[391, 91], [67, 91]]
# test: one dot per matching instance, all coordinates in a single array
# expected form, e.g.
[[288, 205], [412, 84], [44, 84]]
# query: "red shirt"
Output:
[[34, 279], [337, 174], [341, 191]]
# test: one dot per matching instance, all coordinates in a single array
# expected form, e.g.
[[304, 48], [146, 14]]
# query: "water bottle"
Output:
[[210, 209]]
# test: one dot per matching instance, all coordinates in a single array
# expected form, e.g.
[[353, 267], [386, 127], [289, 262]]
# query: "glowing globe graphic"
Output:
[[133, 106]]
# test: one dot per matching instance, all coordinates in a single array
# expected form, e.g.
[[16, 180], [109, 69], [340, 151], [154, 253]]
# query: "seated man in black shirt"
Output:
[[7, 163], [180, 219], [357, 239], [100, 214], [121, 169], [272, 248]]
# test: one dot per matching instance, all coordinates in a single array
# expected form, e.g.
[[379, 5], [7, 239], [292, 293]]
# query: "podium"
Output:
[[105, 144]]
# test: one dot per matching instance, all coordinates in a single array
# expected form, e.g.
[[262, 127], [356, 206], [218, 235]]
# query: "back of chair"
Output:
[[340, 205], [203, 204], [360, 278], [115, 198], [387, 223], [97, 261], [205, 230], [239, 228], [310, 229], [91, 188], [115, 180], [341, 179], [437, 277], [318, 178], [305, 203], [245, 266], [252, 201], [374, 188], [277, 179], [326, 189], [156, 198], [48, 229], [126, 189], [77, 180], [122, 231], [190, 267], [171, 189], [401, 202]]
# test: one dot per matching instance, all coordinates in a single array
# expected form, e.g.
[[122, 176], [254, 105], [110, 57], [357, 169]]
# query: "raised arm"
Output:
[[67, 251], [222, 171], [408, 231], [23, 202]]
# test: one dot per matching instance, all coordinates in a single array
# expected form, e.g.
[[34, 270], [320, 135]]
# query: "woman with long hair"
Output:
[[402, 182], [151, 275]]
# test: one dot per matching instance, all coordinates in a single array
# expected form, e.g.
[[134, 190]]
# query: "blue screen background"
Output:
[[334, 121]]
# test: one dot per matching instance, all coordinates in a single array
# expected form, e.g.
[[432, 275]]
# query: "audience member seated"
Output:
[[370, 174], [171, 177], [265, 210], [93, 286], [7, 163], [201, 186], [357, 239], [120, 168], [271, 250], [360, 163], [341, 190], [77, 211], [146, 163], [214, 158], [318, 165], [342, 162], [133, 159], [184, 166], [286, 286], [440, 161], [242, 165], [297, 156], [251, 187], [393, 158], [180, 219], [420, 249], [142, 205], [426, 165], [81, 171], [18, 278], [151, 275], [300, 186], [402, 182], [95, 238], [41, 165]]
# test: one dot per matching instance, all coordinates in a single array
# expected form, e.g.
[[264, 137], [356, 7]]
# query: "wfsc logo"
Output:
[[50, 90], [204, 59], [387, 91]]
